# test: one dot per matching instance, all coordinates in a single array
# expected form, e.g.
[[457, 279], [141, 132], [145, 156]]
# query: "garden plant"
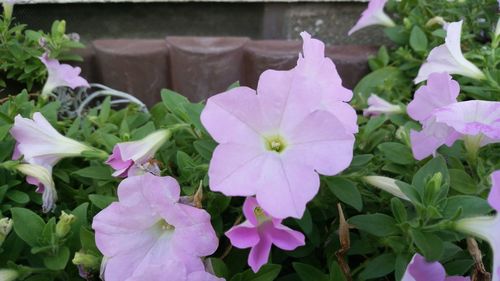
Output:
[[298, 179]]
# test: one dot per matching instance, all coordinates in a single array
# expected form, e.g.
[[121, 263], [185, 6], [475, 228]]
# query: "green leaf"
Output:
[[219, 267], [105, 109], [57, 261], [308, 272], [336, 273], [205, 148], [470, 205], [172, 100], [346, 191], [378, 267], [4, 130], [397, 34], [435, 165], [418, 39], [101, 201], [462, 182], [18, 196], [268, 272], [95, 172], [397, 153], [376, 224], [27, 225], [306, 222], [430, 245]]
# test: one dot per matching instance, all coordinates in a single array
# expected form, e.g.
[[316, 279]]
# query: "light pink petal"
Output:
[[259, 254], [322, 142], [193, 233], [248, 210], [432, 136], [243, 236], [175, 270], [378, 106], [373, 15], [494, 197], [344, 112], [61, 75], [457, 278], [293, 182], [150, 190], [121, 267], [235, 168], [203, 276], [472, 118], [441, 90], [286, 238], [420, 270], [316, 69], [234, 116], [286, 98], [449, 58]]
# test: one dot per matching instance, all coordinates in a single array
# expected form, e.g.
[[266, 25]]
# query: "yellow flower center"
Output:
[[275, 143]]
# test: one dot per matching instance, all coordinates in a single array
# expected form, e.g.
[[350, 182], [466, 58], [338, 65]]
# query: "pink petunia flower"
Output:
[[449, 58], [40, 143], [373, 15], [259, 232], [420, 270], [378, 106], [148, 226], [487, 227], [444, 120], [132, 158], [273, 144], [175, 271], [61, 75], [41, 177]]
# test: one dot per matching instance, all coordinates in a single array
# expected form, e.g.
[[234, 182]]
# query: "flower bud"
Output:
[[386, 184], [8, 274], [63, 227], [5, 228], [88, 261], [8, 8]]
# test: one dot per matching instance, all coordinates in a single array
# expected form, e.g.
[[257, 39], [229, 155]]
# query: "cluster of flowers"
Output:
[[273, 143], [444, 120]]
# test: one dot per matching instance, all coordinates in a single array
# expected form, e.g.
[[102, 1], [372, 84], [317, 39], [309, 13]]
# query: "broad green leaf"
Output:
[[346, 191], [96, 172], [101, 201], [418, 39], [378, 267], [57, 261], [430, 245], [27, 225], [309, 272], [397, 153], [376, 224], [462, 182]]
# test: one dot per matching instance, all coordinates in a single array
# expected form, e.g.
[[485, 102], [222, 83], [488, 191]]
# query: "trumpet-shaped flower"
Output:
[[420, 270], [129, 158], [61, 75], [449, 58], [273, 144], [378, 106], [148, 225], [444, 120], [487, 227], [40, 143], [41, 177], [373, 15], [260, 231]]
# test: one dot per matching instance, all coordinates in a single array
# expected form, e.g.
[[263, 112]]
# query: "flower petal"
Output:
[[441, 90], [243, 236], [259, 254], [286, 238], [420, 270], [494, 197], [234, 116], [248, 210], [432, 136], [373, 15]]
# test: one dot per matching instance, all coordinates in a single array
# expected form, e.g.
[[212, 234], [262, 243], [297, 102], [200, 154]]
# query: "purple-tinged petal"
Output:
[[259, 254], [378, 106], [243, 236], [373, 15], [432, 136], [203, 276], [248, 210], [286, 238], [420, 270], [457, 278], [472, 118], [41, 177], [441, 90], [116, 162], [494, 197]]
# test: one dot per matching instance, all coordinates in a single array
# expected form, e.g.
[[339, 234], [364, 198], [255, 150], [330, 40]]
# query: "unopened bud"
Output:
[[61, 27], [436, 20], [8, 8], [88, 261], [5, 228], [8, 274], [63, 227]]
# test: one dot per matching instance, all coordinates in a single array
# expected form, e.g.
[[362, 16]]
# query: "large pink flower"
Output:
[[260, 231], [373, 15], [420, 270], [273, 144], [61, 75], [487, 227], [148, 226], [449, 58], [131, 158], [444, 120], [175, 271]]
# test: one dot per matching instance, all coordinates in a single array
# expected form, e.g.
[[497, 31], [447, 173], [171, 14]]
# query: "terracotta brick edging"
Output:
[[199, 67]]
